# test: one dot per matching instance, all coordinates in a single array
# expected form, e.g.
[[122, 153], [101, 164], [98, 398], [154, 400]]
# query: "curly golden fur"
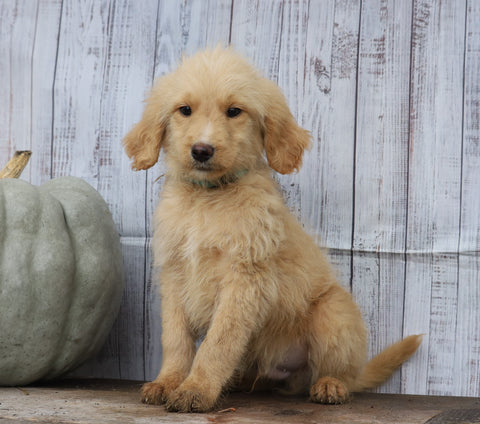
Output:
[[236, 267]]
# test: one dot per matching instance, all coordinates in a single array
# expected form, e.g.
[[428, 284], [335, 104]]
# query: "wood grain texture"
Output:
[[113, 402], [390, 92], [381, 160], [438, 34], [330, 80], [256, 32], [17, 35], [44, 60], [467, 340]]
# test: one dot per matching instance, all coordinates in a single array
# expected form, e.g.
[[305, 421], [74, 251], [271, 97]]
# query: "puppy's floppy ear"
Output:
[[285, 141], [144, 140]]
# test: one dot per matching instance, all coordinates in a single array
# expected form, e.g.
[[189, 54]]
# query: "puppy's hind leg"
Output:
[[337, 346], [338, 350]]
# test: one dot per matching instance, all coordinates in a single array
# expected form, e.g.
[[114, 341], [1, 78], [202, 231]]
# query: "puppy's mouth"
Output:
[[209, 170], [203, 166]]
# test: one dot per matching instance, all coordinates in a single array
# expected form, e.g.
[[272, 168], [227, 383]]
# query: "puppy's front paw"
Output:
[[156, 392], [153, 393], [191, 398], [329, 390]]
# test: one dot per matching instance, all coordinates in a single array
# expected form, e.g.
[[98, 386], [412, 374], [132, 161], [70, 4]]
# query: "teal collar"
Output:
[[222, 181]]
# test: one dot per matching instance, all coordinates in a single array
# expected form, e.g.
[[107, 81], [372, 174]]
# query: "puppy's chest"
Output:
[[191, 233], [194, 239], [196, 229]]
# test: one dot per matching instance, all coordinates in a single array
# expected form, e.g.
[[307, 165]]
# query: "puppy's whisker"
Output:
[[158, 178]]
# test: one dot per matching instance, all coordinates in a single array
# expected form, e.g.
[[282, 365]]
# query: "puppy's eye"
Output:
[[185, 110], [233, 111]]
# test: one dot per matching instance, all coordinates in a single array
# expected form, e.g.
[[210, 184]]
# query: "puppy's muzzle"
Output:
[[202, 152]]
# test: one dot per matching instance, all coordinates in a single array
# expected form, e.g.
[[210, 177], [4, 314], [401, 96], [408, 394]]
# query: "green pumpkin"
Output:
[[60, 277]]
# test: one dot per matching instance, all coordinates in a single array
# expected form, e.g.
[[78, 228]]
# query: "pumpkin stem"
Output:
[[16, 165]]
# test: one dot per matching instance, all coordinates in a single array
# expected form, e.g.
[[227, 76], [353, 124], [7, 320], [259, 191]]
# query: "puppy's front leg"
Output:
[[178, 346], [237, 315]]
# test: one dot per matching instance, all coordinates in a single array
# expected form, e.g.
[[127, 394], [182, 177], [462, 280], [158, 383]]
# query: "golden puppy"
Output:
[[236, 267]]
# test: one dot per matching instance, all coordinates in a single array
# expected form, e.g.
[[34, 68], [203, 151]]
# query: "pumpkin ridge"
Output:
[[82, 195]]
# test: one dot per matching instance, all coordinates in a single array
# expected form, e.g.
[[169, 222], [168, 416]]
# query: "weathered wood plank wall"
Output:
[[391, 93]]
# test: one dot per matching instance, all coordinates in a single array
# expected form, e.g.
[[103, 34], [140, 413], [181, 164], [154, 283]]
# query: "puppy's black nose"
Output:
[[201, 152]]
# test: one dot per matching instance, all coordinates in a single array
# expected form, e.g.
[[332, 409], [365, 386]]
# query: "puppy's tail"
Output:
[[382, 366]]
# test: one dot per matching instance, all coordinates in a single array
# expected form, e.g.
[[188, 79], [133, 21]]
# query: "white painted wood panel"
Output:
[[256, 31], [81, 64], [44, 54], [467, 340], [434, 191], [390, 91], [330, 81], [381, 161], [26, 76]]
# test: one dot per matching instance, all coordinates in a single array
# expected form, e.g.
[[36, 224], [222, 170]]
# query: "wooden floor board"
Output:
[[109, 401]]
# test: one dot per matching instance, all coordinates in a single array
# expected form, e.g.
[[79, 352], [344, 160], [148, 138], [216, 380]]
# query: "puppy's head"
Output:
[[214, 116]]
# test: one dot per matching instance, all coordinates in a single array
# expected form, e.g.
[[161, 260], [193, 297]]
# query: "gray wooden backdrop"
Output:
[[391, 93]]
